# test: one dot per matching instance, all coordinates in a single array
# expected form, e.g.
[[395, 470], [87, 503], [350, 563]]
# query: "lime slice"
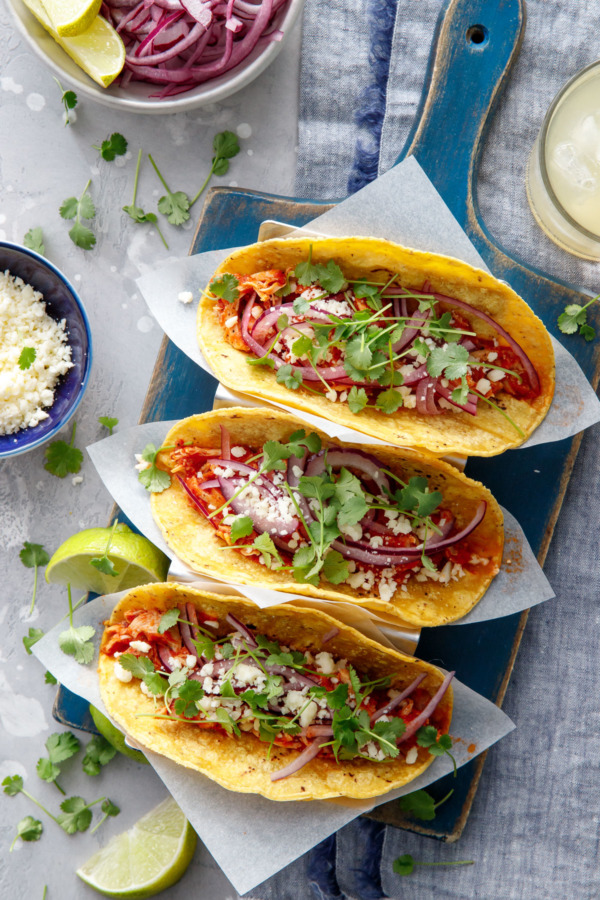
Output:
[[71, 17], [114, 736], [135, 558], [99, 51], [145, 860]]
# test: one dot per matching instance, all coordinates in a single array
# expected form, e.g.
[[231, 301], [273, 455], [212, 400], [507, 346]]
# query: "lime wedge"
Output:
[[114, 736], [71, 17], [145, 860], [135, 558], [99, 51]]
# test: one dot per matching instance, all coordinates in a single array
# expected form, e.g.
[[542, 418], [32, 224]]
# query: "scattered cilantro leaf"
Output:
[[69, 101], [76, 814], [241, 527], [27, 357], [34, 635], [62, 458], [436, 745], [108, 422], [28, 829], [34, 240], [32, 556], [79, 208], [49, 678], [109, 809], [136, 212], [405, 864], [421, 804], [174, 205], [12, 785], [225, 286], [587, 332], [225, 146], [76, 641], [98, 753], [113, 146]]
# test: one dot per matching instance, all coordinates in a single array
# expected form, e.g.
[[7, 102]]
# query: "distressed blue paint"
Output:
[[480, 653]]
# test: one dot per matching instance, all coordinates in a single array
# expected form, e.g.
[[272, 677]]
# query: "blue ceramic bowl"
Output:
[[62, 302]]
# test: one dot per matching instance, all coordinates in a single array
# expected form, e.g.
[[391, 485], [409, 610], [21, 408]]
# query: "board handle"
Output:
[[474, 46]]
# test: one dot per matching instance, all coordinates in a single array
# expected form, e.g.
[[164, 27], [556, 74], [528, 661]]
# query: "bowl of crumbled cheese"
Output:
[[45, 350]]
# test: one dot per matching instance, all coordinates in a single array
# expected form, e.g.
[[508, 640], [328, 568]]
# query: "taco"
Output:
[[413, 348], [283, 702], [250, 496]]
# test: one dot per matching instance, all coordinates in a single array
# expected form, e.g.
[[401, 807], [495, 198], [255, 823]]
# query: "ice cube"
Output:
[[573, 166]]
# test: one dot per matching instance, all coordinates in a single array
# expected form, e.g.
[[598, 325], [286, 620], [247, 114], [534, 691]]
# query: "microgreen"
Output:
[[174, 205], [76, 642], [241, 527], [62, 458], [421, 805], [79, 208], [575, 318], [108, 422], [34, 635], [136, 212], [32, 556], [34, 240], [68, 99], [28, 829], [27, 357], [98, 753], [225, 146], [109, 809], [436, 745], [60, 746], [103, 563], [113, 146], [225, 286], [405, 864]]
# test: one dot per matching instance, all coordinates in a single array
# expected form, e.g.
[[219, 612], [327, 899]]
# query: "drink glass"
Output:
[[563, 175]]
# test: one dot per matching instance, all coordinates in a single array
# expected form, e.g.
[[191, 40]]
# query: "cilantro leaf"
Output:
[[168, 619], [286, 375], [358, 354], [421, 805], [389, 401], [154, 479], [80, 208], [302, 346], [274, 454], [587, 332], [331, 277], [299, 442], [98, 753], [241, 527], [33, 555], [115, 145], [27, 357], [404, 864], [428, 737], [62, 745], [174, 205], [82, 236], [12, 785], [357, 399], [76, 815], [34, 635], [451, 360], [305, 272], [335, 568], [225, 286], [301, 306], [68, 208], [226, 144], [47, 771], [28, 829], [573, 316], [139, 666], [34, 240], [108, 422], [69, 101], [76, 642], [189, 693], [62, 458], [226, 721], [49, 678], [268, 549], [416, 497], [104, 565], [109, 809]]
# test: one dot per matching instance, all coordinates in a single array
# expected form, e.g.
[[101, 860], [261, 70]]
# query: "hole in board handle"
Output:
[[478, 35]]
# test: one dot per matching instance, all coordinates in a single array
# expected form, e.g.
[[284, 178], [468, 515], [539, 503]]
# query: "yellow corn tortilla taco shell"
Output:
[[242, 763], [486, 434], [191, 536]]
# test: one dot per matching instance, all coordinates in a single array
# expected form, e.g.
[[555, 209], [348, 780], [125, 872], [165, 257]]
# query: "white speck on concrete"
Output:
[[94, 170], [145, 324], [10, 767], [35, 102], [77, 277], [2, 234], [233, 184], [77, 479], [244, 130], [250, 152], [123, 306], [2, 218], [121, 161], [20, 716], [113, 268], [9, 84]]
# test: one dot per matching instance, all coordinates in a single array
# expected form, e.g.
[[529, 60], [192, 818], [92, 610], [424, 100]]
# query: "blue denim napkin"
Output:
[[533, 829]]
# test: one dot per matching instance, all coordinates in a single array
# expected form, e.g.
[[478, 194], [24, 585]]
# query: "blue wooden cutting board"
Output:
[[474, 47]]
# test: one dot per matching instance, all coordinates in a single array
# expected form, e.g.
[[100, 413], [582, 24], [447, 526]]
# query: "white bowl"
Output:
[[135, 97]]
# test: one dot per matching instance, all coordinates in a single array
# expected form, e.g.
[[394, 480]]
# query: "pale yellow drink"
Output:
[[563, 183]]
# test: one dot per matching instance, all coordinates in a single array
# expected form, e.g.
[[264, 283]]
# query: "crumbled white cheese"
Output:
[[492, 357], [331, 396], [190, 661], [334, 307], [376, 541], [122, 674], [412, 756], [77, 479], [185, 297], [140, 646], [496, 375], [246, 674], [354, 532], [141, 463], [25, 394], [237, 452], [324, 662], [174, 663], [231, 321], [308, 715], [482, 386]]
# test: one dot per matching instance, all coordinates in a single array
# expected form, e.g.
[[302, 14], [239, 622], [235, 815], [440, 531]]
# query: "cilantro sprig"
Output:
[[79, 208], [76, 642], [175, 205], [405, 864], [154, 479], [436, 745], [109, 422], [62, 458], [68, 99], [114, 145], [60, 746], [225, 286], [136, 212], [33, 556], [421, 805], [103, 563], [28, 829], [98, 753], [76, 814], [34, 240], [574, 318], [225, 146]]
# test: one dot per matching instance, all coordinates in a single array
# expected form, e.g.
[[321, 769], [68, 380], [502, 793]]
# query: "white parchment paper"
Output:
[[401, 206], [519, 584], [250, 837]]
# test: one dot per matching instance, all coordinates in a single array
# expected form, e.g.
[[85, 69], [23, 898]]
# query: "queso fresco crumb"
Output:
[[26, 393]]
